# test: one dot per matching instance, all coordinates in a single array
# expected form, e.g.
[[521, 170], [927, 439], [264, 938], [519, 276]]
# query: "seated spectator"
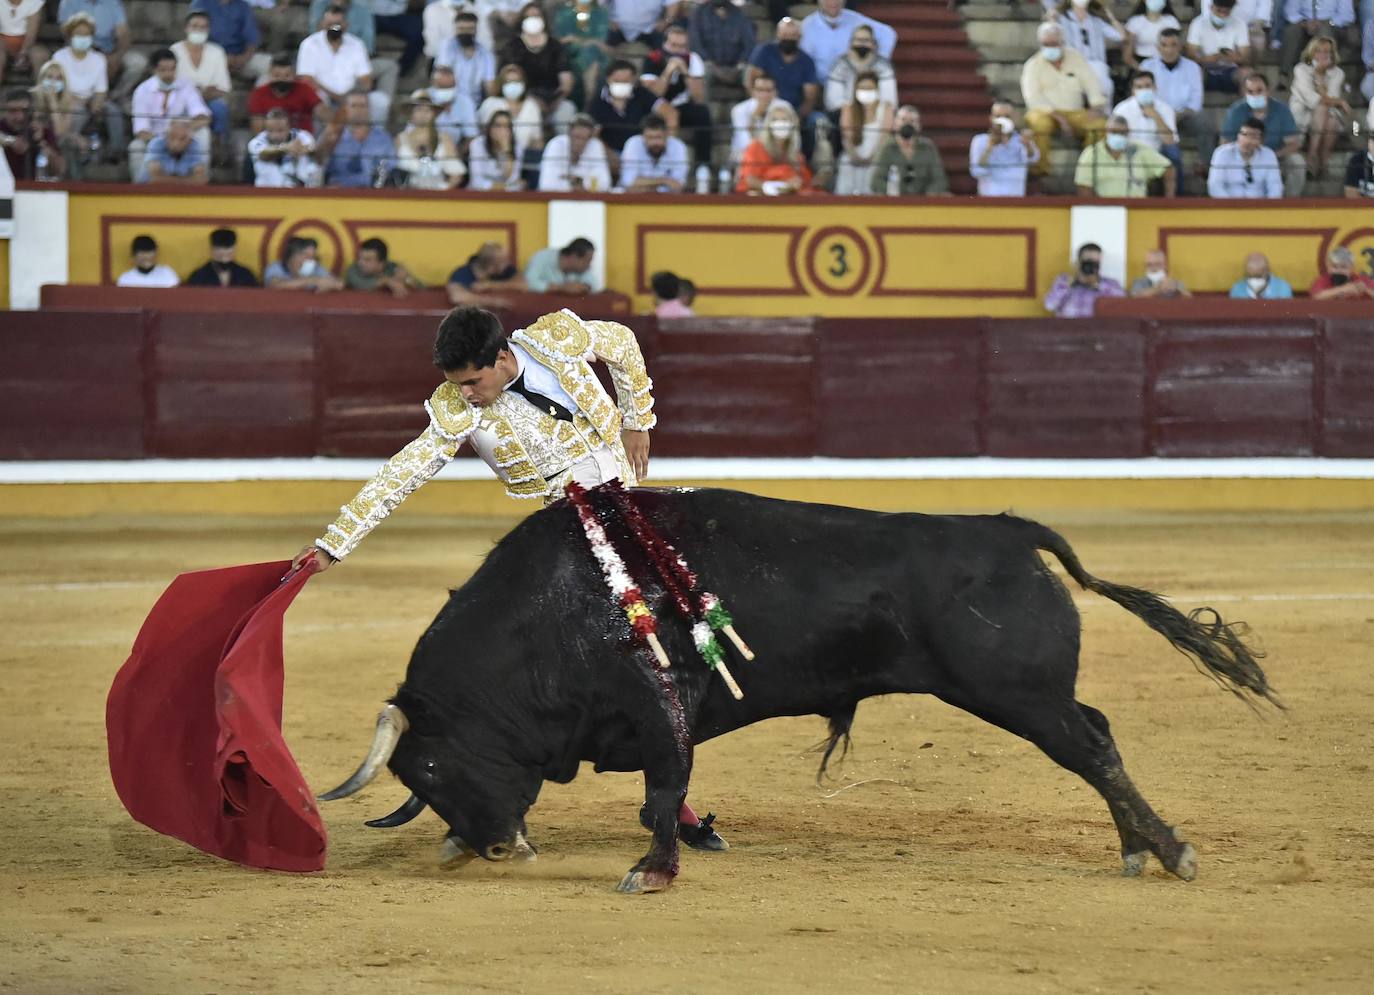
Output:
[[861, 57], [336, 63], [791, 69], [159, 100], [1061, 93], [919, 172], [524, 110], [575, 161], [437, 24], [124, 65], [356, 152], [581, 27], [88, 81], [31, 147], [747, 116], [826, 34], [1151, 121], [147, 271], [1220, 44], [1000, 157], [426, 156], [1119, 166], [654, 161], [1340, 282], [1178, 83], [485, 278], [19, 48], [283, 156], [372, 270], [1259, 283], [1256, 15], [393, 17], [677, 75], [1147, 20], [622, 104], [563, 271], [548, 73], [221, 270], [865, 127], [641, 21], [1089, 26], [1074, 295], [773, 164], [474, 67], [1359, 171], [203, 63], [1304, 20], [1245, 167], [494, 160], [55, 109], [724, 36], [457, 114], [1317, 101], [1280, 130], [234, 29], [283, 90], [667, 290], [298, 269], [1157, 282], [687, 291], [174, 157]]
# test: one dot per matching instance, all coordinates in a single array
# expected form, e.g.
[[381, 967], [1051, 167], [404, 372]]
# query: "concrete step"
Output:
[[921, 56], [934, 97]]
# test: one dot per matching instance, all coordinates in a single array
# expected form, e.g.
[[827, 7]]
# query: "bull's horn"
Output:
[[390, 724], [412, 807]]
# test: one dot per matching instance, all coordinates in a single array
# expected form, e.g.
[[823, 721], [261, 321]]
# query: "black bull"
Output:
[[532, 668]]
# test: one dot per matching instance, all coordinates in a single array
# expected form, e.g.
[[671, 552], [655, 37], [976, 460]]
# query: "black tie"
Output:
[[545, 404]]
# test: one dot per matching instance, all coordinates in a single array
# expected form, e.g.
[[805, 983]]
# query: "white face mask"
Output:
[[532, 25], [781, 130], [1145, 98], [1154, 6], [54, 85], [1081, 3], [1004, 124], [513, 90], [866, 97], [621, 91], [1256, 283], [443, 96], [1155, 276], [82, 43], [197, 37]]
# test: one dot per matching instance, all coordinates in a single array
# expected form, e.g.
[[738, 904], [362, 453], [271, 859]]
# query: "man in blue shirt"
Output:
[[826, 33], [1260, 284], [356, 153], [1280, 130], [233, 28], [174, 157], [124, 66], [653, 161], [794, 72], [1245, 168], [473, 66]]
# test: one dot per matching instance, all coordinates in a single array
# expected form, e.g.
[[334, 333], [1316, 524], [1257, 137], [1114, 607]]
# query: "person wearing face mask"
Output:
[[299, 268], [915, 158], [1304, 20], [623, 104], [1147, 20], [865, 124], [548, 74], [1120, 167], [203, 64], [1318, 102], [1220, 43], [1256, 15], [457, 114], [88, 81], [157, 101], [1281, 133], [55, 109], [1000, 157], [1061, 93], [221, 270], [1341, 282], [523, 109], [1359, 171], [19, 23], [1178, 83], [234, 28], [473, 65], [124, 65], [862, 57], [826, 34], [1245, 167], [335, 62], [677, 75], [437, 24], [283, 90], [773, 165], [1074, 295], [794, 74], [1157, 282], [147, 271], [582, 27], [1259, 284], [1089, 27], [724, 36], [1152, 121]]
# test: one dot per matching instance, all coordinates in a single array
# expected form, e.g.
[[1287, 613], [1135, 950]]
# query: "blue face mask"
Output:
[[1256, 103], [1052, 53], [1117, 142]]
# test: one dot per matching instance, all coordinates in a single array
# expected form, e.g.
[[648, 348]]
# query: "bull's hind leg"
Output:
[[666, 751]]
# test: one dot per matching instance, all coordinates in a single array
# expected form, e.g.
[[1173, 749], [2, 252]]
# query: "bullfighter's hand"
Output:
[[637, 451], [323, 561]]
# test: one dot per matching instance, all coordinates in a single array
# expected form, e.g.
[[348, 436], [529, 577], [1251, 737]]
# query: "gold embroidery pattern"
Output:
[[561, 334], [450, 416]]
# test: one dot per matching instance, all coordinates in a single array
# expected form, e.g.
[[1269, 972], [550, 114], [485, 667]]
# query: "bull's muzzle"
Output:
[[517, 849], [391, 723]]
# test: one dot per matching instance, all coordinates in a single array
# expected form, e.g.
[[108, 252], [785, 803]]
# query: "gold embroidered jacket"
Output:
[[530, 451]]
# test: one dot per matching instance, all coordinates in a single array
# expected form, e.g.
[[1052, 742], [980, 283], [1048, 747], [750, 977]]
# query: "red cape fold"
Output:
[[194, 722]]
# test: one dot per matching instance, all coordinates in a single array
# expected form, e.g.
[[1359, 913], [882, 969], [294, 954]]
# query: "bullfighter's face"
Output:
[[481, 386]]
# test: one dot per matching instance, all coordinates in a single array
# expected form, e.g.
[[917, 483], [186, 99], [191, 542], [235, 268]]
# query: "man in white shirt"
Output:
[[575, 161], [1178, 82], [1220, 43], [748, 116], [1152, 121], [1256, 15], [826, 34], [335, 63], [283, 156], [654, 161], [147, 272]]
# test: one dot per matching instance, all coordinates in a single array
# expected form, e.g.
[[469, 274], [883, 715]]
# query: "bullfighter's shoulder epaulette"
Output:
[[449, 415], [560, 336]]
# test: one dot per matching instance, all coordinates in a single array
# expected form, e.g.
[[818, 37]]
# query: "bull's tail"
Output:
[[1215, 646]]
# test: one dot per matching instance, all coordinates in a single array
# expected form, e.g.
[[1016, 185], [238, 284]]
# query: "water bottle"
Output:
[[40, 166], [725, 181], [894, 182], [703, 178]]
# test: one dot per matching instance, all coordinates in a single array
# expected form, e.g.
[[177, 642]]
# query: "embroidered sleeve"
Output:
[[616, 346], [402, 475]]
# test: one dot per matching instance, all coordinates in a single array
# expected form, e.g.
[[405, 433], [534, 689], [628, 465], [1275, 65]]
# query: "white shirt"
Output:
[[338, 71], [1247, 11], [212, 71], [1210, 39], [1098, 32], [528, 125], [742, 123], [289, 171], [541, 379], [1145, 33], [592, 168], [438, 21], [15, 20], [85, 76], [486, 172], [635, 17], [1144, 130], [161, 276]]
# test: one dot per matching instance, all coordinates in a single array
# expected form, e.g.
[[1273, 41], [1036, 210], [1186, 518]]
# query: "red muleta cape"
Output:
[[194, 722]]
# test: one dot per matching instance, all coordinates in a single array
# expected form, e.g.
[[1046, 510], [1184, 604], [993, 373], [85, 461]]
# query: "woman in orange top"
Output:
[[772, 164]]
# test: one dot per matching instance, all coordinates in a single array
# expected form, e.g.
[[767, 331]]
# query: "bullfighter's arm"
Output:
[[616, 346]]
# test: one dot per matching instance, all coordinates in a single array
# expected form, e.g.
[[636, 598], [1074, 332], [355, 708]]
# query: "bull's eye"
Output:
[[497, 851], [429, 765]]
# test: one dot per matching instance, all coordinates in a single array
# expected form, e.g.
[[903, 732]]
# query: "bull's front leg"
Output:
[[666, 749]]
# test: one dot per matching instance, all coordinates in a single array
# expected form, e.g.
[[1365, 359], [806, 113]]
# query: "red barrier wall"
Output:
[[128, 384]]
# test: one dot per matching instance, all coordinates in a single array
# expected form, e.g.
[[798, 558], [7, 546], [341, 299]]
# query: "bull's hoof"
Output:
[[644, 882], [1133, 864], [1186, 864]]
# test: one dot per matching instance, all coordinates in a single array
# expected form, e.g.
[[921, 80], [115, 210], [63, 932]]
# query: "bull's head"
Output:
[[481, 793]]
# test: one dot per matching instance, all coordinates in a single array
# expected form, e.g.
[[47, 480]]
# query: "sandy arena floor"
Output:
[[947, 857]]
